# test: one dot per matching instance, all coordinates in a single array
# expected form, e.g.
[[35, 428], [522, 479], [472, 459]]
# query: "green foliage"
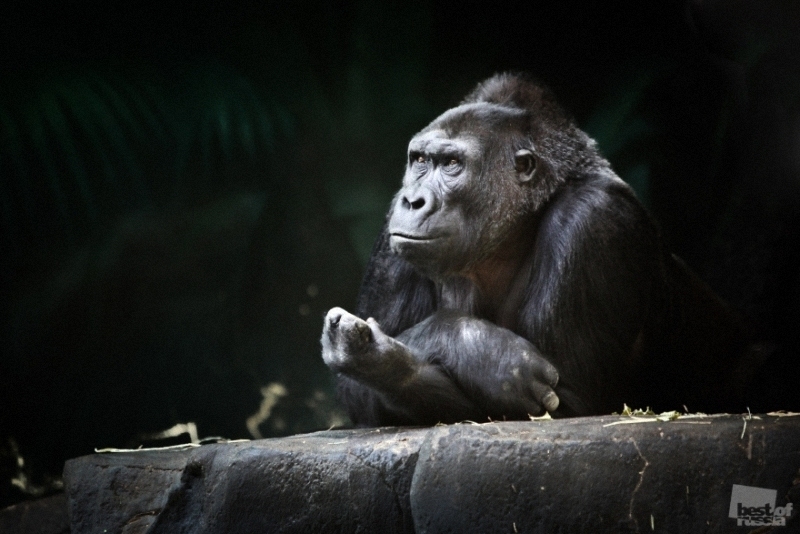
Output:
[[84, 144]]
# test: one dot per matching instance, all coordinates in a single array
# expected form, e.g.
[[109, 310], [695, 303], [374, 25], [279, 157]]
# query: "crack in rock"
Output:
[[638, 484]]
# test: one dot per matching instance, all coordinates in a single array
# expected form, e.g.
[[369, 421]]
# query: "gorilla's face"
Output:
[[465, 190]]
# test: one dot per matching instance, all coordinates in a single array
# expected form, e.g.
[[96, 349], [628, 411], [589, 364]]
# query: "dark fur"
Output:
[[591, 289]]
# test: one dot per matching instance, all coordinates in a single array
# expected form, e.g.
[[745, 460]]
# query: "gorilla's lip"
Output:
[[411, 237]]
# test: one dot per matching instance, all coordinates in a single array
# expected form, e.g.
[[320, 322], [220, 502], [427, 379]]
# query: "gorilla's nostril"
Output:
[[334, 319], [412, 205]]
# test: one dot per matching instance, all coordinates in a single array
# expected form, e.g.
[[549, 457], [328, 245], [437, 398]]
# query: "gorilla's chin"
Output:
[[427, 254]]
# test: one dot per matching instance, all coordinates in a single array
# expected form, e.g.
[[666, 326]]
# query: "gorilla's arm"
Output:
[[622, 319], [596, 293], [448, 368]]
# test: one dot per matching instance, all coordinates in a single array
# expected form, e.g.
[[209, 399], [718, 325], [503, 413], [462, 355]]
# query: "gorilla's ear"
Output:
[[525, 165]]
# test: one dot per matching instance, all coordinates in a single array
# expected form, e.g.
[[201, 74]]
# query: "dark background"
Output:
[[185, 189]]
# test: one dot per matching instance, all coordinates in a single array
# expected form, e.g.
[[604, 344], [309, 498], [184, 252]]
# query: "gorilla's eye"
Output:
[[418, 162], [452, 165]]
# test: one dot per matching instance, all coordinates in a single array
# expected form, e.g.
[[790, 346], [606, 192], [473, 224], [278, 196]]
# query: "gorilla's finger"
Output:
[[545, 395], [546, 371]]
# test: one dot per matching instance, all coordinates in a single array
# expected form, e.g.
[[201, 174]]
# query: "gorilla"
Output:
[[517, 274]]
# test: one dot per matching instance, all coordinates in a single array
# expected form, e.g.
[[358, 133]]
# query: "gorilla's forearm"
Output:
[[501, 370], [385, 380]]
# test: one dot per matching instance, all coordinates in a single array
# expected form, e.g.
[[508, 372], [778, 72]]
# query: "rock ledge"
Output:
[[594, 474]]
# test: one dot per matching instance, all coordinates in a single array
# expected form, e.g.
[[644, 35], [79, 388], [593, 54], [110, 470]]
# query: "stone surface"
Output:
[[578, 475], [574, 475], [337, 481]]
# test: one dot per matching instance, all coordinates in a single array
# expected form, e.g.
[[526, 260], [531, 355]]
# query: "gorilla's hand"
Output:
[[360, 350]]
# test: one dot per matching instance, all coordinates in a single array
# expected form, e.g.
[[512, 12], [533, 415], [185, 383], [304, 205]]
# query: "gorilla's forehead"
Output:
[[479, 119], [439, 141]]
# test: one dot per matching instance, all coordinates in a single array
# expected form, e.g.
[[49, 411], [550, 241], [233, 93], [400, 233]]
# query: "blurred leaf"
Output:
[[620, 128], [97, 143], [615, 123]]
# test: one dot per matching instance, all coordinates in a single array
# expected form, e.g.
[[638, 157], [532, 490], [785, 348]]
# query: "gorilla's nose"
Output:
[[413, 202]]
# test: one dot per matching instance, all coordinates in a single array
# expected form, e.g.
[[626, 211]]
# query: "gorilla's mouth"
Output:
[[410, 237]]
